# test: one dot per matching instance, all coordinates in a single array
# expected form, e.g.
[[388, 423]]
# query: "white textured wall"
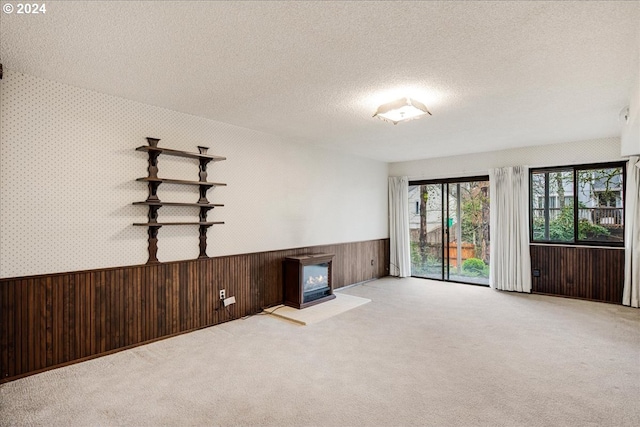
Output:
[[597, 150], [68, 169], [630, 138]]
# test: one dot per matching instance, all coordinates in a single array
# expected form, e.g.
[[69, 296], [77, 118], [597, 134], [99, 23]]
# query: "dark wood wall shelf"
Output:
[[181, 182], [199, 205], [160, 224], [154, 203], [178, 153]]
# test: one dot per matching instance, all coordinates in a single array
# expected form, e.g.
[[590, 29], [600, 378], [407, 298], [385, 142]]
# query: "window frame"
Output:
[[445, 227], [575, 169]]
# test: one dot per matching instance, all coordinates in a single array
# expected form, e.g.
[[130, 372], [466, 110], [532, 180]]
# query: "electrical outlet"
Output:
[[223, 294]]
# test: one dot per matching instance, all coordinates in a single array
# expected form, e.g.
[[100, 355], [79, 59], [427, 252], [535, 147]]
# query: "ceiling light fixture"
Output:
[[401, 110]]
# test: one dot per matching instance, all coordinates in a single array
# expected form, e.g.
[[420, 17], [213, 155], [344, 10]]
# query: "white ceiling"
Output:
[[494, 74]]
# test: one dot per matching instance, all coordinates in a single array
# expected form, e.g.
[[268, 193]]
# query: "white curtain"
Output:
[[631, 295], [509, 233], [400, 258]]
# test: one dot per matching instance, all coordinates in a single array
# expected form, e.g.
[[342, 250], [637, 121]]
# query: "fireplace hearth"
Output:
[[308, 280]]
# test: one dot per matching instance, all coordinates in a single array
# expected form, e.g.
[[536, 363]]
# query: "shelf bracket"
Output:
[[153, 164], [203, 169], [203, 241], [153, 142], [153, 213], [153, 191], [153, 243], [203, 213], [203, 193]]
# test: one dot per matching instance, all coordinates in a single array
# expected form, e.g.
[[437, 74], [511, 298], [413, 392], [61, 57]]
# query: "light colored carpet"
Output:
[[421, 353], [317, 313]]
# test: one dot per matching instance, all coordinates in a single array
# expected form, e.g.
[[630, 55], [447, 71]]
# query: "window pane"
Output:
[[552, 206], [561, 213], [425, 228], [538, 209], [600, 214], [469, 247]]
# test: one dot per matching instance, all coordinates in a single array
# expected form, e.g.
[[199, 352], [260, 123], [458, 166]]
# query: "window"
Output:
[[578, 204]]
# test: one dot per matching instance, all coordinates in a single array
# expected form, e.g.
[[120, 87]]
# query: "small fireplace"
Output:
[[308, 280]]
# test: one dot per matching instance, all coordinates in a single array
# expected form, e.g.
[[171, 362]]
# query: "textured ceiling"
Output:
[[494, 74]]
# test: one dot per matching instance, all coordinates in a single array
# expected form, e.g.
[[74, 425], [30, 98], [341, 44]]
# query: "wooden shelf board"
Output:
[[200, 205], [183, 182], [178, 153], [160, 224]]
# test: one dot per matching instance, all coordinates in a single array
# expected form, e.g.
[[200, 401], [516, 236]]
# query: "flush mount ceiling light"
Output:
[[401, 110]]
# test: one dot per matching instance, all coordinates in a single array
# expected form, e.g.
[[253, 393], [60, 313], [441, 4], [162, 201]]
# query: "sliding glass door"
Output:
[[426, 204], [449, 227]]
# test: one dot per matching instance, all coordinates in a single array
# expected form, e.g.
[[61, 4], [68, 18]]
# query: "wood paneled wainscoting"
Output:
[[52, 320], [593, 273]]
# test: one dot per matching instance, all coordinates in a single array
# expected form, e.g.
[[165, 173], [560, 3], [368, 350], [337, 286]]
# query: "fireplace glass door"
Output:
[[315, 281]]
